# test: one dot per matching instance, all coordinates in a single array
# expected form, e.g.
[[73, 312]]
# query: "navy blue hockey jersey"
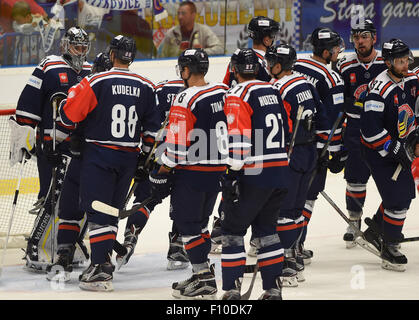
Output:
[[389, 111], [356, 76], [263, 73], [119, 108], [330, 86], [259, 130], [52, 75], [166, 92]]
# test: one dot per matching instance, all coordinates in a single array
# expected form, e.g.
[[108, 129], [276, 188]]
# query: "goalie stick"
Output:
[[359, 235], [119, 213]]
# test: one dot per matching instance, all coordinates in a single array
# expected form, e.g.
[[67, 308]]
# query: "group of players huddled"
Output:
[[265, 138]]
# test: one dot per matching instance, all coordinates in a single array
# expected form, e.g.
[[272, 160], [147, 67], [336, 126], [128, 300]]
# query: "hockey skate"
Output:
[[234, 294], [177, 257], [200, 285], [216, 236], [130, 241], [97, 277], [273, 293], [392, 258], [300, 266], [373, 237], [350, 235], [37, 206], [305, 253], [289, 270], [60, 270], [253, 251]]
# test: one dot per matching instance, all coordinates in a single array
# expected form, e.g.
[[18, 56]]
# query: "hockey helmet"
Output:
[[325, 39], [283, 54], [260, 27], [396, 48], [124, 48], [195, 59], [365, 25], [75, 46], [101, 63], [245, 62]]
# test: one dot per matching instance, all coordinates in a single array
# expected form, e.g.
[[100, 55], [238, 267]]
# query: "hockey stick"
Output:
[[247, 294], [147, 161], [13, 211], [326, 145], [376, 229], [294, 134], [359, 235], [399, 166], [119, 213]]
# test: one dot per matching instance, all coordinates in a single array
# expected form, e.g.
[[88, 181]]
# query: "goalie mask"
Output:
[[75, 46]]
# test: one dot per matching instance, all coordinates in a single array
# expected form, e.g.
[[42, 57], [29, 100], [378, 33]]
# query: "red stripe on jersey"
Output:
[[376, 144], [287, 107], [200, 93], [259, 56], [317, 65], [110, 73], [249, 86], [220, 168], [386, 86], [53, 63], [270, 262], [287, 228], [348, 63], [283, 163], [169, 82], [120, 148], [289, 82]]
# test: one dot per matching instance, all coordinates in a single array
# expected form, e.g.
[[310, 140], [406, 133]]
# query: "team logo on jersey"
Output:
[[396, 100], [63, 78], [361, 91], [174, 128], [230, 118], [406, 121], [352, 78]]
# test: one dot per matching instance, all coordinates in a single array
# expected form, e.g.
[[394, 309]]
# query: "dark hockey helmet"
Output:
[[410, 144], [325, 39], [396, 48], [260, 27], [245, 61], [365, 25], [195, 59], [283, 54], [75, 45], [124, 48], [101, 63]]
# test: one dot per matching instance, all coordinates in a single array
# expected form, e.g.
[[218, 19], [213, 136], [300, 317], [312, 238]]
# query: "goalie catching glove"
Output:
[[22, 141]]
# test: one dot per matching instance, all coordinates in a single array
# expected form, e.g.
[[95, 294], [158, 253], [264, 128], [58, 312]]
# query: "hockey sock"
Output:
[[101, 242], [270, 257], [197, 248], [393, 221], [138, 219], [68, 231], [355, 196], [233, 260], [307, 212], [288, 231]]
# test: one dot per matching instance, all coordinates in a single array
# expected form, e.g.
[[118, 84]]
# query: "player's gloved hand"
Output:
[[396, 151], [322, 161], [161, 184], [229, 182], [76, 143], [337, 162], [141, 173], [53, 156]]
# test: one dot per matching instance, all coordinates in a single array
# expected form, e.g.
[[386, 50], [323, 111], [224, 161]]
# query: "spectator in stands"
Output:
[[189, 34]]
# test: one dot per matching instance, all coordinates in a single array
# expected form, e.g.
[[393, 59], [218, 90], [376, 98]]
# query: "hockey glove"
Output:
[[76, 143], [141, 173], [230, 186], [337, 162], [396, 151], [53, 157], [322, 161], [161, 184]]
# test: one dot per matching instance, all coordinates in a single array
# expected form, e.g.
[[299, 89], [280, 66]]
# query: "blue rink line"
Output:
[[144, 271]]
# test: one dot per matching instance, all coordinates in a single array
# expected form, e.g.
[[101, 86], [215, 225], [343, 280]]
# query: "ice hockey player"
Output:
[[166, 92], [50, 81], [116, 108], [256, 178], [357, 70], [327, 44], [195, 130], [387, 120], [296, 92], [263, 31]]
